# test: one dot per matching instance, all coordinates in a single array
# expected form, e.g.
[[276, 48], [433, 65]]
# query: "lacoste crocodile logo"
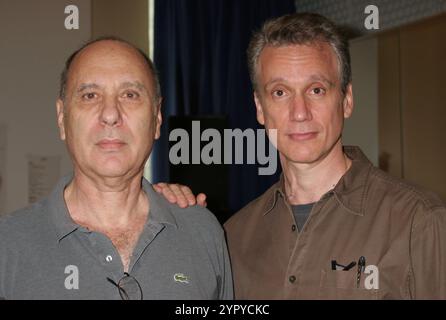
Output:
[[180, 277]]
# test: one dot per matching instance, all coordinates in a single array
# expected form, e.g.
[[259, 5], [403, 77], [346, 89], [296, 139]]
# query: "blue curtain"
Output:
[[200, 52]]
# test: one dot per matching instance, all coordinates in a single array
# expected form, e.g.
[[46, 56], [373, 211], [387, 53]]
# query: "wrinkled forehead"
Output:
[[290, 60]]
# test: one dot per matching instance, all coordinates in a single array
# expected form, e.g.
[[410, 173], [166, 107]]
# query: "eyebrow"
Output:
[[321, 78], [314, 77], [133, 84], [85, 86], [128, 84]]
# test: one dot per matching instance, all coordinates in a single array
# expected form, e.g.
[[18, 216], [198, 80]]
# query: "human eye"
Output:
[[318, 91], [89, 96], [132, 95], [278, 93]]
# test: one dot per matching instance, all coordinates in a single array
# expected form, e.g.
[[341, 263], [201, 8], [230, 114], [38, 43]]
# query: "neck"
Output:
[[307, 183], [106, 203]]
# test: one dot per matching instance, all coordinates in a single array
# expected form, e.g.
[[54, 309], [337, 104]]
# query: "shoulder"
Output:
[[23, 224], [406, 201], [253, 210], [23, 219], [191, 219], [195, 217], [403, 191]]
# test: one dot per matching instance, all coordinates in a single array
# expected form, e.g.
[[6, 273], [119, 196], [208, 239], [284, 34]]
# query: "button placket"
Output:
[[106, 252], [298, 254]]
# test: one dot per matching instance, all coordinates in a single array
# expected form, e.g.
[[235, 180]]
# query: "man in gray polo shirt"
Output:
[[104, 233]]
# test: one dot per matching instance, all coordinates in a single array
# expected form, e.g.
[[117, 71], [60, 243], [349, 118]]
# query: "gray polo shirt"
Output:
[[181, 254]]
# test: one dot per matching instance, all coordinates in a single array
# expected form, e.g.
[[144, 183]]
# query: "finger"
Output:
[[201, 200], [169, 194], [159, 187], [178, 193], [189, 196]]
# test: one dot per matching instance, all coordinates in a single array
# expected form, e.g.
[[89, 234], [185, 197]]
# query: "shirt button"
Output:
[[293, 228], [109, 258], [292, 279]]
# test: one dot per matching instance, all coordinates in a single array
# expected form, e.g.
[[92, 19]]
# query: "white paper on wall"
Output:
[[2, 168], [43, 174]]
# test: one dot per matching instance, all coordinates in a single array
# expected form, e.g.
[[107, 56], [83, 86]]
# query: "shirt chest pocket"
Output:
[[339, 284]]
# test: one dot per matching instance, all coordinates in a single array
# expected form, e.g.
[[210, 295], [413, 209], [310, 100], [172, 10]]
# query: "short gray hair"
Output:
[[300, 29], [69, 61]]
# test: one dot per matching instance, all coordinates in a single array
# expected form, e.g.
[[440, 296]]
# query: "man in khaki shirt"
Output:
[[334, 226]]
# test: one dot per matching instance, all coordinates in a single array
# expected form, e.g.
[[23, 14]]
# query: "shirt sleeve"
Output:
[[428, 256], [3, 256], [226, 287]]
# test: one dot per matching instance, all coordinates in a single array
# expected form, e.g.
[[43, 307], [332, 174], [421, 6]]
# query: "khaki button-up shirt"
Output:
[[399, 229]]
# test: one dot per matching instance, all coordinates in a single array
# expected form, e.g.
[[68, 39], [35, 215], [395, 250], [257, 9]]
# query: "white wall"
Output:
[[33, 47]]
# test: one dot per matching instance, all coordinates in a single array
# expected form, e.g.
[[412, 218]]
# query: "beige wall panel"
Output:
[[362, 128], [124, 19], [423, 71], [33, 48], [389, 104]]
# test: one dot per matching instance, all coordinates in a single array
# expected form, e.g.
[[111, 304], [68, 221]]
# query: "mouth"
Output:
[[110, 144], [302, 136]]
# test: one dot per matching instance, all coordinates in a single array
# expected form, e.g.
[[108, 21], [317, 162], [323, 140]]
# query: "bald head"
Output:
[[111, 44]]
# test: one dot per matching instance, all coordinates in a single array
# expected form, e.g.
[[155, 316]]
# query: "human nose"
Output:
[[300, 109], [111, 113]]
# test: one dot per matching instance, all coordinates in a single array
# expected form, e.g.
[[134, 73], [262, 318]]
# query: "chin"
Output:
[[303, 155], [112, 168], [304, 159], [112, 172]]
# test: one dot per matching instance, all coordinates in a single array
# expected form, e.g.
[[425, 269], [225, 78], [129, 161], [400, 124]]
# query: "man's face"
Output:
[[299, 94], [109, 118]]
